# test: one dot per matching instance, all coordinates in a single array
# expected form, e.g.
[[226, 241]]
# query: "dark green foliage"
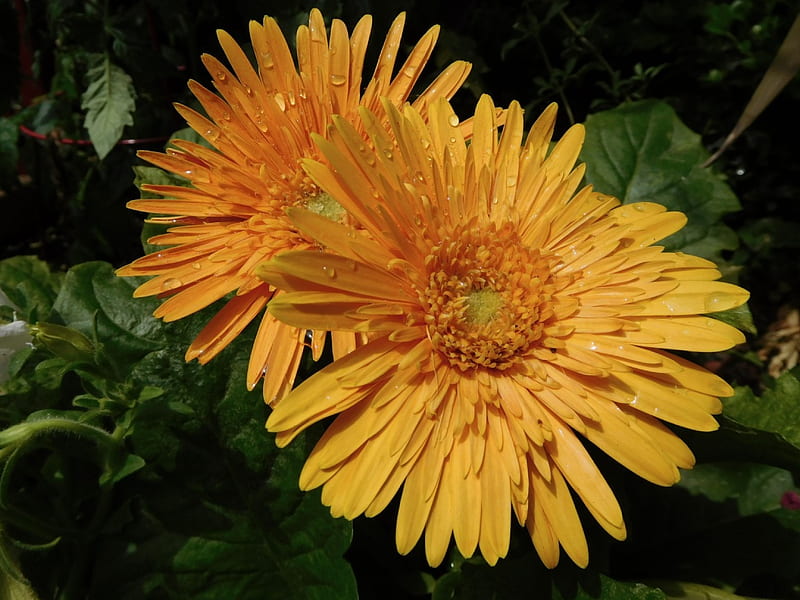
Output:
[[128, 473]]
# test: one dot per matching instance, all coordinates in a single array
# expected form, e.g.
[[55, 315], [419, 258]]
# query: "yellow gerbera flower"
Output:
[[509, 317], [232, 218]]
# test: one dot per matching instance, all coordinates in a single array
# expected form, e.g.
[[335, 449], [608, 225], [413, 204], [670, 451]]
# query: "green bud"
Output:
[[64, 342]]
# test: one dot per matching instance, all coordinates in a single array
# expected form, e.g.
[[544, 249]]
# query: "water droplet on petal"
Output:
[[171, 283], [211, 134], [221, 75], [196, 265], [453, 120], [338, 80], [280, 101], [330, 272]]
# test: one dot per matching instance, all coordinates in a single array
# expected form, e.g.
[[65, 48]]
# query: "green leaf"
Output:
[[94, 301], [30, 285], [129, 464], [740, 317], [154, 176], [109, 101], [777, 411], [642, 152], [221, 514]]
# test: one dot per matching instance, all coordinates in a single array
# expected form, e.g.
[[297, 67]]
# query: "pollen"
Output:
[[488, 298]]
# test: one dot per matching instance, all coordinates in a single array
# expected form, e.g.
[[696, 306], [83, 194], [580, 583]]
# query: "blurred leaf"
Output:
[[8, 150], [15, 588], [755, 488], [100, 305], [109, 101], [642, 152], [677, 590], [769, 232], [505, 581], [30, 285]]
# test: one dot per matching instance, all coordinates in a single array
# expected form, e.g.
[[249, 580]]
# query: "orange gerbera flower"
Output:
[[510, 316], [232, 217]]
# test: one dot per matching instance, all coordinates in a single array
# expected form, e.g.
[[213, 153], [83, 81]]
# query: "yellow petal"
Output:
[[693, 297]]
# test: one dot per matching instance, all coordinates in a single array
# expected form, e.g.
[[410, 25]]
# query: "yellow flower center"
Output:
[[324, 204], [487, 299], [482, 306]]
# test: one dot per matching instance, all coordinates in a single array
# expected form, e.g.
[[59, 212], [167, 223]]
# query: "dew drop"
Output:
[[717, 302], [280, 101], [196, 266], [452, 140], [211, 134], [171, 283], [266, 60], [453, 120], [221, 75], [330, 272], [388, 154], [338, 80]]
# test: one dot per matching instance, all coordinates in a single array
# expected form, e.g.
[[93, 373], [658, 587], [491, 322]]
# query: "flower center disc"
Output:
[[324, 205], [487, 298]]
